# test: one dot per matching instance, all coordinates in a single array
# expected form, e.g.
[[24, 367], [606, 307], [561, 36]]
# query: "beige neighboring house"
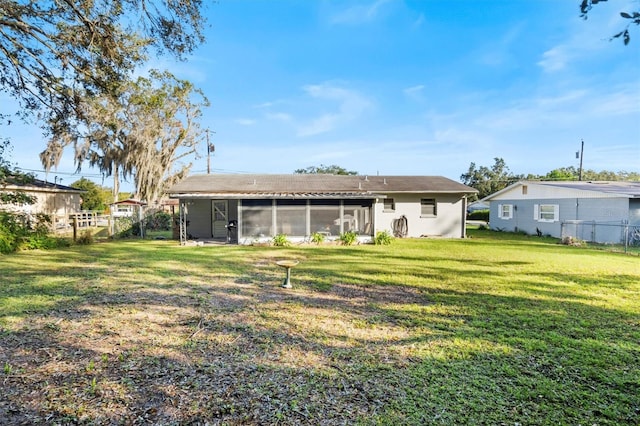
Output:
[[55, 200]]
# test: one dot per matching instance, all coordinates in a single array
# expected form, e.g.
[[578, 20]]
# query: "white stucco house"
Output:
[[592, 211], [255, 207]]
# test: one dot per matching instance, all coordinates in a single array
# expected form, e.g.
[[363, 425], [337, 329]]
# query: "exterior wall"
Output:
[[634, 211], [448, 222], [609, 210], [51, 203], [58, 205]]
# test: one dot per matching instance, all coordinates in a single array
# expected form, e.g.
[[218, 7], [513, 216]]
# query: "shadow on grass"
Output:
[[158, 334]]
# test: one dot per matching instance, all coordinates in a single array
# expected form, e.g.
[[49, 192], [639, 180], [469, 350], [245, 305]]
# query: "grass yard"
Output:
[[496, 329]]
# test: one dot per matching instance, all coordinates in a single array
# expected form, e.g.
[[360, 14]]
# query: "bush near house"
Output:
[[24, 232], [479, 215]]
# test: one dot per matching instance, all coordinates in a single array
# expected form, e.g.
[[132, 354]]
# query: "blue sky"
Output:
[[407, 87]]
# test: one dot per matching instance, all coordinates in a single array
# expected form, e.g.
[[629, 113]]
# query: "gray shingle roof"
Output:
[[631, 189], [314, 184]]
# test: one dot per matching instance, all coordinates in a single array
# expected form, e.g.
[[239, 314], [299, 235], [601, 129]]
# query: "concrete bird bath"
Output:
[[287, 264]]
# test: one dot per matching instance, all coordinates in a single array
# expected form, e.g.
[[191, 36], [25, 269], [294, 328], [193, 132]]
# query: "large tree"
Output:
[[142, 133], [327, 170], [95, 197], [52, 52], [488, 180]]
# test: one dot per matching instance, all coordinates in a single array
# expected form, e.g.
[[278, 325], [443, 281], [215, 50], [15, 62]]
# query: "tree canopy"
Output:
[[488, 180], [51, 51], [327, 170], [632, 18], [94, 198], [140, 133], [9, 176]]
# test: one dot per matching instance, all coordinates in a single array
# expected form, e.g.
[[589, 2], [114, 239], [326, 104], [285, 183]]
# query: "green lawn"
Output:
[[495, 329]]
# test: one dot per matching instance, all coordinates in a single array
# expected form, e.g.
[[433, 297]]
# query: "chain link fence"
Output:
[[611, 233]]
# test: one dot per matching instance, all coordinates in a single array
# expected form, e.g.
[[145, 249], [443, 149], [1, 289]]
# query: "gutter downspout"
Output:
[[464, 216]]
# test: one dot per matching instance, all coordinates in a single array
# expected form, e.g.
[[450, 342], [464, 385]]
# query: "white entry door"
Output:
[[220, 211]]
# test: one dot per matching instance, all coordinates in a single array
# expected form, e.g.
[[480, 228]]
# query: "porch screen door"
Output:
[[219, 226]]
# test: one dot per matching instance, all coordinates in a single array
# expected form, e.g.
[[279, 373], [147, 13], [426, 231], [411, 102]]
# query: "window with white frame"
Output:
[[428, 207], [546, 212], [505, 211], [388, 205]]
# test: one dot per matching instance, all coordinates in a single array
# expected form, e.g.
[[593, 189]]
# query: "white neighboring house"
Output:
[[256, 207], [57, 201], [591, 211], [127, 208]]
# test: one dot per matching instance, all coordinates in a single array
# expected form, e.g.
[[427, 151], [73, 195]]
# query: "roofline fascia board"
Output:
[[276, 196], [38, 189]]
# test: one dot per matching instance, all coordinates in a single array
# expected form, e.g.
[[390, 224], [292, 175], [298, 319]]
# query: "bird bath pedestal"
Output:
[[287, 264]]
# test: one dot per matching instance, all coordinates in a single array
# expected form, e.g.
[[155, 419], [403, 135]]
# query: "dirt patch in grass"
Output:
[[431, 332], [223, 353]]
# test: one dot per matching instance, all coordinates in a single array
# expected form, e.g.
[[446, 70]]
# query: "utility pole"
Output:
[[210, 148], [580, 155]]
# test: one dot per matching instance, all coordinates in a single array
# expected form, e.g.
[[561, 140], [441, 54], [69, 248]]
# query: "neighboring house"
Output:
[[252, 207], [57, 201], [477, 206], [592, 211], [127, 208]]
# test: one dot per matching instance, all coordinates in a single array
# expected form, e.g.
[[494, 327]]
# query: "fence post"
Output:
[[75, 228]]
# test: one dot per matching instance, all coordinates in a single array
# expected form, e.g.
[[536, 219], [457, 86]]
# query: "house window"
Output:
[[546, 212], [389, 205], [505, 211], [525, 189], [428, 207]]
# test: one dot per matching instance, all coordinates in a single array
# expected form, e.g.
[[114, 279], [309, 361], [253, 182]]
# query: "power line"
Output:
[[57, 172]]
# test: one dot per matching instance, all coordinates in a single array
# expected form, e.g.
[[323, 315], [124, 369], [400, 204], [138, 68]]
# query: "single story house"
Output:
[[127, 208], [591, 211], [247, 208], [57, 201]]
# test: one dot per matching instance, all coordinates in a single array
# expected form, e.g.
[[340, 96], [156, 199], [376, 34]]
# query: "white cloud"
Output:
[[419, 21], [555, 59], [351, 105], [414, 92], [278, 116], [358, 14], [245, 121]]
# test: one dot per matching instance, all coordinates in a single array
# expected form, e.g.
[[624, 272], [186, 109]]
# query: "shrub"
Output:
[[20, 231], [479, 215], [126, 227], [85, 239], [383, 238], [348, 238], [159, 221], [281, 240], [7, 240], [317, 238]]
